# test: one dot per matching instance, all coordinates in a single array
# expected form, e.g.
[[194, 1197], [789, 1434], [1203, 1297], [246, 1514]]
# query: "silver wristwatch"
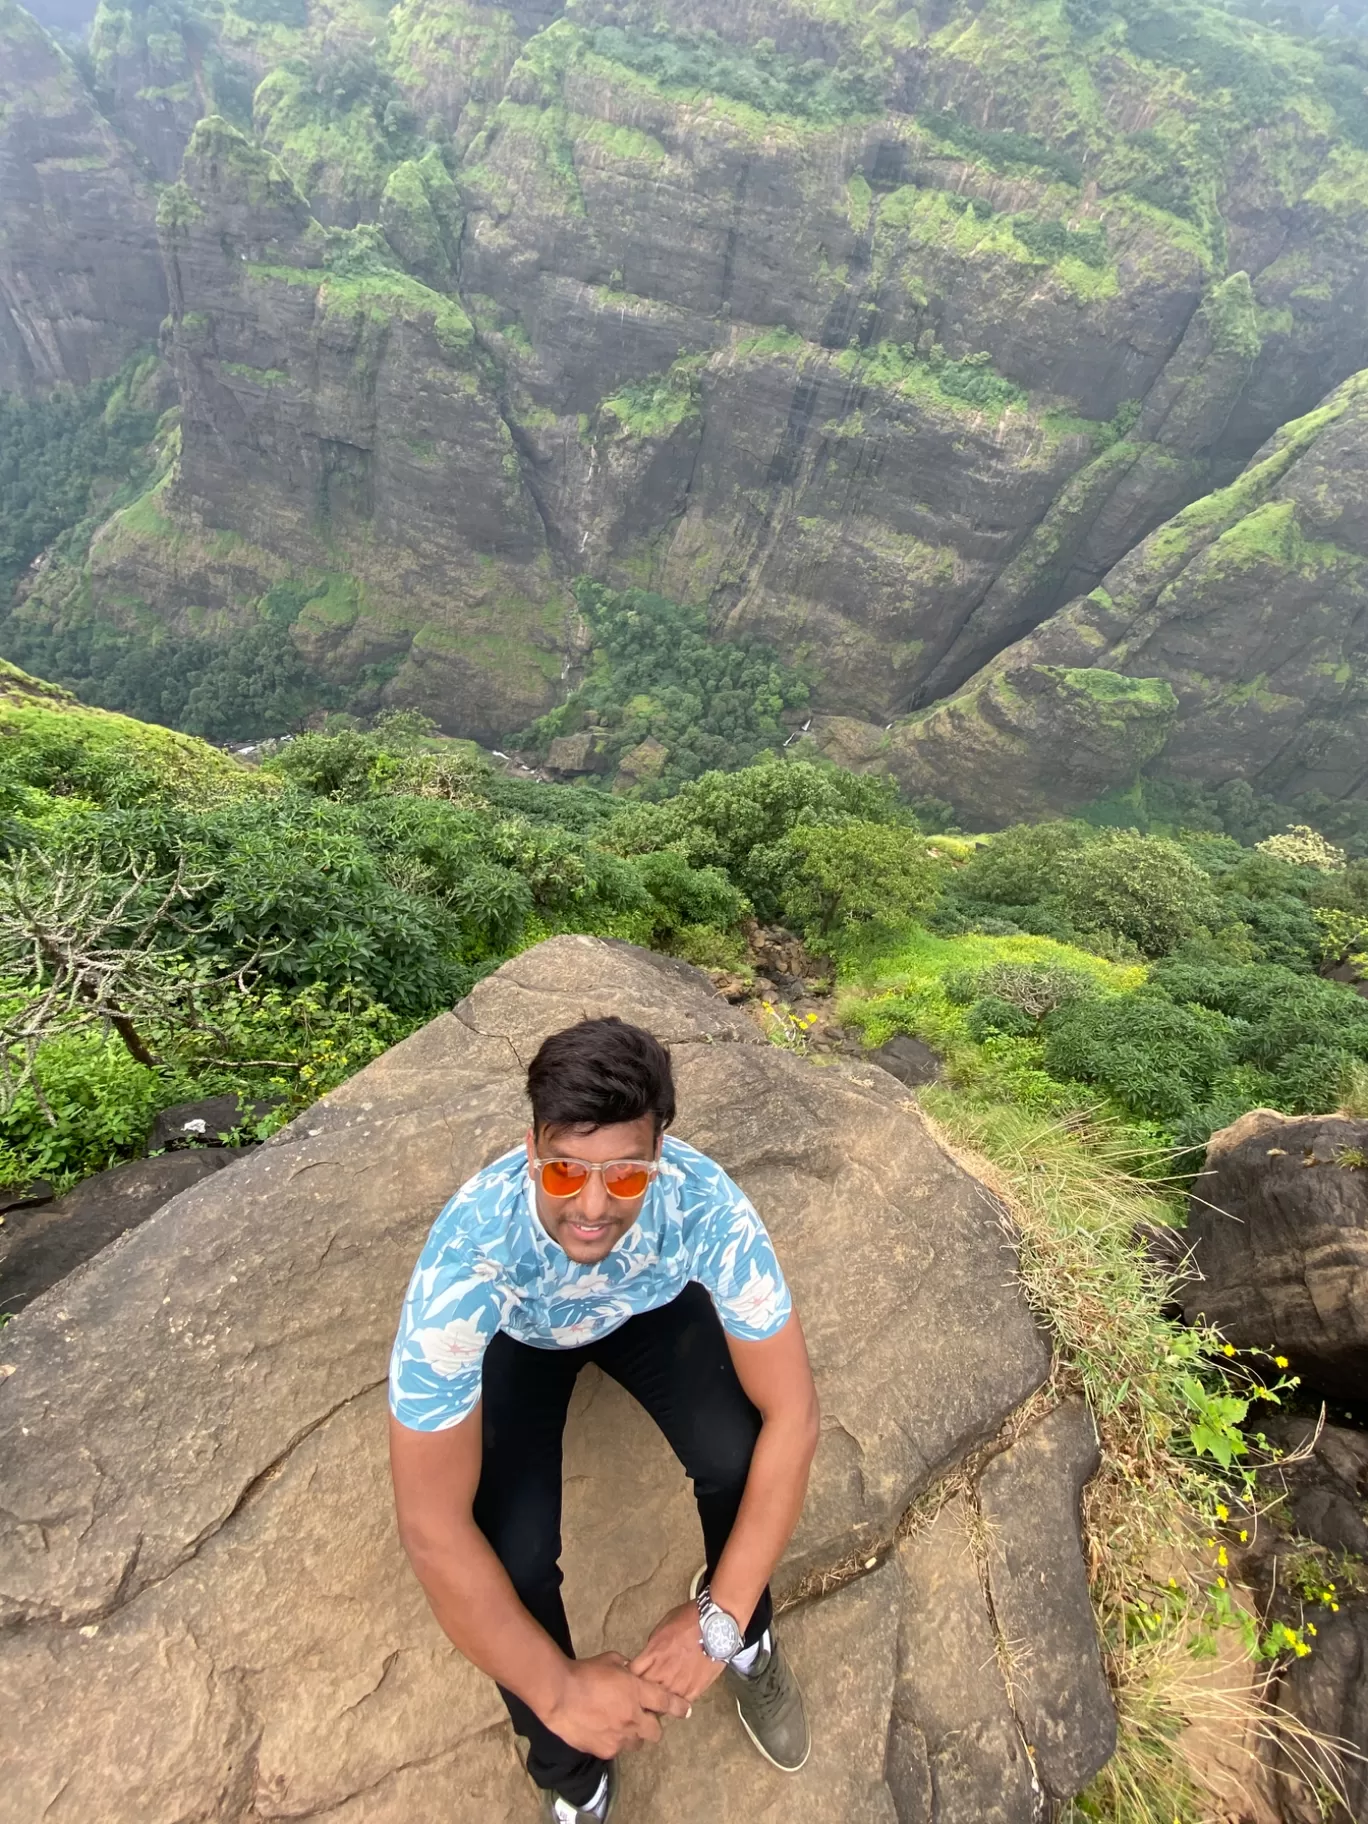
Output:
[[722, 1637]]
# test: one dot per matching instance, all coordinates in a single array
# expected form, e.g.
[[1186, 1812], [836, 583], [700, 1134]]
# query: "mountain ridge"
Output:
[[886, 348]]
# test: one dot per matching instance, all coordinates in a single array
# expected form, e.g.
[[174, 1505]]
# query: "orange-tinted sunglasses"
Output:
[[623, 1178]]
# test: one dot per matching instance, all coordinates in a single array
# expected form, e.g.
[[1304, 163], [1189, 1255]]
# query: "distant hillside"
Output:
[[941, 355]]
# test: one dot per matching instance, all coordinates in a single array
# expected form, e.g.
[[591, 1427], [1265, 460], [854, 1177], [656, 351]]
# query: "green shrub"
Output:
[[686, 897], [736, 821], [1019, 868], [1157, 1059], [835, 876], [991, 1015], [1147, 889], [1055, 240], [102, 1104], [1311, 1078]]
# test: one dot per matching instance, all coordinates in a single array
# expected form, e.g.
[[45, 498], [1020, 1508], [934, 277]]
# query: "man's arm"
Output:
[[597, 1705], [777, 1377]]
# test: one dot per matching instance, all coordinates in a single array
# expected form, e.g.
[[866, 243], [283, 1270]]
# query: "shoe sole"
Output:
[[694, 1587]]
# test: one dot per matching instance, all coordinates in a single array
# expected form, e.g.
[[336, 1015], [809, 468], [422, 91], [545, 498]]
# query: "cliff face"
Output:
[[891, 346], [81, 286], [338, 411], [1246, 615]]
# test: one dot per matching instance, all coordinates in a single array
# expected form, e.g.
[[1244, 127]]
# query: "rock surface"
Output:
[[81, 285], [41, 1245], [208, 1614], [1328, 1693], [1279, 1238]]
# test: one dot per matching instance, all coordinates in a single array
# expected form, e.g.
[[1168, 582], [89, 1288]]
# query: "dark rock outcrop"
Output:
[[81, 285], [1278, 1229], [41, 1244], [203, 1123], [219, 1621], [1328, 1694]]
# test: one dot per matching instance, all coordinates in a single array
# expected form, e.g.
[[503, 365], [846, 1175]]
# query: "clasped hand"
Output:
[[610, 1705]]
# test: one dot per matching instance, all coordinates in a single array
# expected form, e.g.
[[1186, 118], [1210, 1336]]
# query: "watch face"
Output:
[[721, 1636]]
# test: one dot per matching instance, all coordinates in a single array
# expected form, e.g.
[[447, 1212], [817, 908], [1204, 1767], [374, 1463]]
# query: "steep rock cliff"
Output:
[[81, 285], [887, 346], [338, 418]]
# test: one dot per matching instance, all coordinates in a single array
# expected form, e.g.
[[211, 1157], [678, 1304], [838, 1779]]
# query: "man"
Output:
[[605, 1241]]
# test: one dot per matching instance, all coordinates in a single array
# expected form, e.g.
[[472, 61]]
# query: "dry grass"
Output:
[[1081, 1216]]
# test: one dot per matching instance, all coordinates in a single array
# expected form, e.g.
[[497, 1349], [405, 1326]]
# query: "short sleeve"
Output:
[[735, 1260], [454, 1305]]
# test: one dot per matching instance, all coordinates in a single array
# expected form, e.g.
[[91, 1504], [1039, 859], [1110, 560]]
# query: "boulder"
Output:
[[910, 1060], [1323, 1474], [1278, 1228], [208, 1615], [41, 1243], [203, 1123], [569, 756], [1328, 1693]]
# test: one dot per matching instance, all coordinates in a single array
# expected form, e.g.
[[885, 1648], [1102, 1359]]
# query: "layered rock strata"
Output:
[[81, 285]]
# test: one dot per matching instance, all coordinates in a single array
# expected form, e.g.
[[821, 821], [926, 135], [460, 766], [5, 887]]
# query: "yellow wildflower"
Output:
[[1222, 1511], [1281, 1361]]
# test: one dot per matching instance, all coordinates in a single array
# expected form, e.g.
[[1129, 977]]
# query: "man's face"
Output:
[[590, 1224]]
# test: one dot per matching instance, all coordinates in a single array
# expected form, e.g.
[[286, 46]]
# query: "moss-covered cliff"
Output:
[[81, 286], [885, 346]]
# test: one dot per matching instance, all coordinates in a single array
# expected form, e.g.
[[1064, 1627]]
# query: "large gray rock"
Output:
[[1279, 1238], [1029, 1499], [208, 1614], [40, 1245]]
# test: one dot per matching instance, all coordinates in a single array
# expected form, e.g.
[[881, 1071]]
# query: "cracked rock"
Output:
[[217, 1621]]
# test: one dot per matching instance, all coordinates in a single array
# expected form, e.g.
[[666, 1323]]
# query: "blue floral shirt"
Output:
[[489, 1265]]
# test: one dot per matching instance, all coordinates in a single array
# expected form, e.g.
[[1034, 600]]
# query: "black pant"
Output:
[[675, 1363]]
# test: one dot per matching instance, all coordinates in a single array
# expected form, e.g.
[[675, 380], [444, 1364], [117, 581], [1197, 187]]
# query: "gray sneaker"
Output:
[[770, 1706], [556, 1810]]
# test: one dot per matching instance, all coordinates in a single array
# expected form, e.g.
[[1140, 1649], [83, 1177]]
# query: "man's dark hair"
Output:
[[599, 1073]]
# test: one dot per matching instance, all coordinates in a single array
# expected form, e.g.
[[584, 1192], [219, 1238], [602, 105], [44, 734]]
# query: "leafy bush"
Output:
[[1054, 240], [1020, 867], [1146, 889], [1157, 1059], [836, 876], [736, 821], [991, 1014]]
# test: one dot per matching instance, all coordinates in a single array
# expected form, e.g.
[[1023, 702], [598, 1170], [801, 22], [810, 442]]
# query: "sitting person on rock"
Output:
[[606, 1241]]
